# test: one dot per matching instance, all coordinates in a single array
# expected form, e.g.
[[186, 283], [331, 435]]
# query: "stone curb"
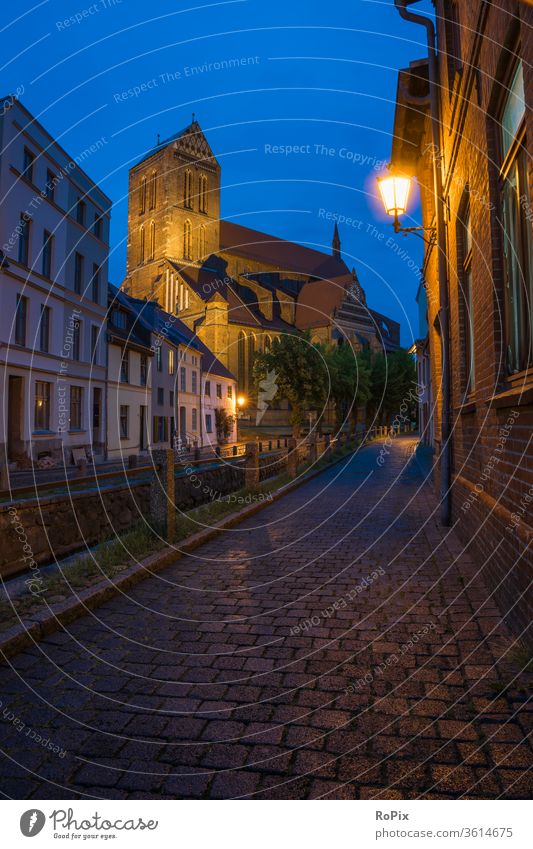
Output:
[[48, 621]]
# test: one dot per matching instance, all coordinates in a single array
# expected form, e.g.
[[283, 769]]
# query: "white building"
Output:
[[54, 238], [219, 390], [129, 390]]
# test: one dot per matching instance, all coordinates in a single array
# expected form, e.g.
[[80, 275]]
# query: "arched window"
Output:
[[251, 354], [141, 244], [152, 240], [268, 343], [153, 189], [203, 193], [142, 196], [201, 245], [241, 353], [187, 189], [187, 240]]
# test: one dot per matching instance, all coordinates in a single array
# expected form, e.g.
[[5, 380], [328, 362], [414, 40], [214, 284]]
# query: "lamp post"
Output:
[[438, 237], [394, 190]]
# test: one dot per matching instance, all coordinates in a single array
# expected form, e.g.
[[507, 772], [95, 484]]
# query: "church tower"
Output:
[[336, 244], [173, 211]]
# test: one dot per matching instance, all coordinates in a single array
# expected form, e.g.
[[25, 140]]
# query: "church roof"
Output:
[[192, 141], [286, 256], [319, 299]]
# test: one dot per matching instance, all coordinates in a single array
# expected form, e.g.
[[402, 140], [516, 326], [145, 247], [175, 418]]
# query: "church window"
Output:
[[152, 239], [187, 240], [153, 189], [241, 359], [187, 190], [203, 193], [142, 197], [202, 241], [251, 354], [141, 244]]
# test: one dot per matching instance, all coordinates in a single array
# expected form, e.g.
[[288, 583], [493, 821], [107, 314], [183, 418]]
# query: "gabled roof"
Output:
[[138, 333], [190, 140], [285, 256], [319, 299]]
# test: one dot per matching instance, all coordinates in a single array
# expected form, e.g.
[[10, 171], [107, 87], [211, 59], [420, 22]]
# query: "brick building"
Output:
[[485, 71]]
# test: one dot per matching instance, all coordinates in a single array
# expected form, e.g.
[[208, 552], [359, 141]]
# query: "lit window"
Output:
[[42, 405]]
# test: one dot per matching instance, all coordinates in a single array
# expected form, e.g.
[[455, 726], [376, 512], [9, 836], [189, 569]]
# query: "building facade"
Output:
[[485, 64], [54, 239]]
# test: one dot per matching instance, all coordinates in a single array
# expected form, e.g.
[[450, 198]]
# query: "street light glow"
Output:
[[394, 192], [241, 401]]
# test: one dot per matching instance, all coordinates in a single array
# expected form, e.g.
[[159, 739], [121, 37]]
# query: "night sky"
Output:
[[317, 76]]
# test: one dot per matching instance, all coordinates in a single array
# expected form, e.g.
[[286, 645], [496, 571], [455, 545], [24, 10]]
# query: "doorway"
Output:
[[15, 417]]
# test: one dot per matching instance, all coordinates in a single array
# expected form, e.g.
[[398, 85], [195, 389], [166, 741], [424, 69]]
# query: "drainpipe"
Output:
[[445, 448]]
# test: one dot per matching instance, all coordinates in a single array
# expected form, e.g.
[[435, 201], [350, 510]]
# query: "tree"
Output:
[[295, 366], [224, 422], [393, 382], [350, 381]]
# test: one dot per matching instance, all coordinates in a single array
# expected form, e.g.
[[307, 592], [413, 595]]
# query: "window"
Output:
[[187, 240], [46, 268], [171, 361], [230, 391], [207, 388], [95, 283], [517, 241], [466, 306], [219, 390], [201, 240], [160, 429], [78, 273], [203, 193], [452, 33], [27, 164], [20, 320], [153, 189], [194, 387], [183, 379], [124, 423], [187, 189], [241, 348], [76, 340], [194, 419], [171, 397], [94, 343], [142, 196], [81, 207], [76, 393], [125, 367], [144, 369], [159, 358], [141, 245], [152, 240], [119, 319], [251, 349], [160, 396], [24, 238], [49, 189], [209, 423], [42, 405], [97, 226], [44, 329]]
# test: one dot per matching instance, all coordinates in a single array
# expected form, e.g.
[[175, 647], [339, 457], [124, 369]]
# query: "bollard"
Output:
[[197, 452], [251, 465], [82, 468], [132, 461], [162, 493], [292, 458], [312, 449]]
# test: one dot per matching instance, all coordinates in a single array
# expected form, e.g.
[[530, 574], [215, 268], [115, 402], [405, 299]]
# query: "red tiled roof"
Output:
[[283, 255], [319, 299]]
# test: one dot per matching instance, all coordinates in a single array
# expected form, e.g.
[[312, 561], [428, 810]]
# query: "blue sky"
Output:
[[317, 77]]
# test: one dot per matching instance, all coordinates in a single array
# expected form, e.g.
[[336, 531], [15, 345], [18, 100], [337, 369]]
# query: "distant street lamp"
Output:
[[241, 401]]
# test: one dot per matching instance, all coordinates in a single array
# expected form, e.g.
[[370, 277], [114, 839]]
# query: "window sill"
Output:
[[515, 397], [466, 408]]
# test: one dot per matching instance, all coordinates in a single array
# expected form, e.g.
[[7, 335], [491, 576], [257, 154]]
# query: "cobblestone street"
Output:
[[339, 644]]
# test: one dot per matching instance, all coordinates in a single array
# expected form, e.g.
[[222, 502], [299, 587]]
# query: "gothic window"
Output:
[[251, 354], [187, 189], [203, 193], [268, 343], [241, 354], [202, 241], [187, 240], [141, 244], [152, 239], [153, 189], [142, 196]]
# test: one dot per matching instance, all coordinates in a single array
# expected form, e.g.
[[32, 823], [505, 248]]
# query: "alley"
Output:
[[338, 644]]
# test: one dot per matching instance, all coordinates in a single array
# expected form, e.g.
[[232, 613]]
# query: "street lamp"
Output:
[[241, 401], [394, 190]]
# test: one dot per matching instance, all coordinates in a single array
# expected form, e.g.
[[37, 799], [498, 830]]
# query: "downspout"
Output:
[[445, 448]]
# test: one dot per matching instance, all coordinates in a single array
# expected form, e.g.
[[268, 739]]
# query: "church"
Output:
[[236, 288]]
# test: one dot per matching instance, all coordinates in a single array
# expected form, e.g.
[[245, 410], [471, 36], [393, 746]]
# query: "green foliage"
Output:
[[224, 422], [300, 375], [350, 380], [393, 383]]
